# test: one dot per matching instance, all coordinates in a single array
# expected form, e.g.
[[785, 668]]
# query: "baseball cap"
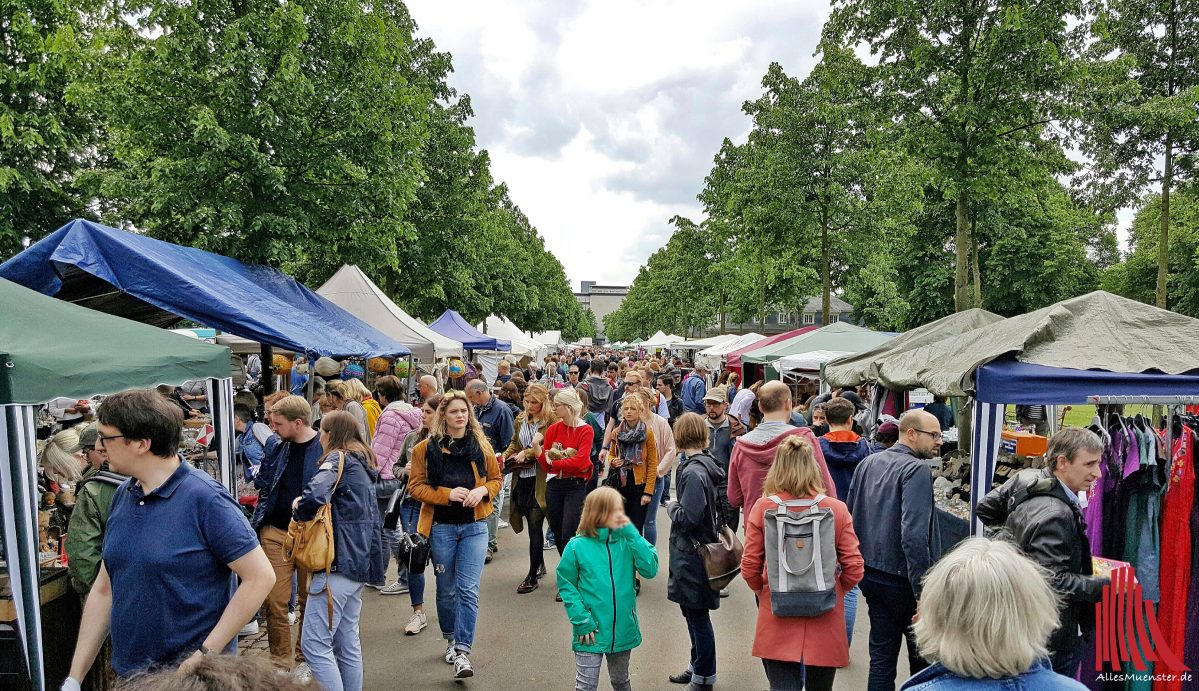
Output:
[[87, 437]]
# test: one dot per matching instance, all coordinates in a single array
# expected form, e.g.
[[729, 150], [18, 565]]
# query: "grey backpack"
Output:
[[801, 557]]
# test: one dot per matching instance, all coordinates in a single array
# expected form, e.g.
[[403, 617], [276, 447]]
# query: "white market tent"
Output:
[[553, 339], [709, 342], [356, 293], [807, 361], [661, 340], [522, 343], [713, 357]]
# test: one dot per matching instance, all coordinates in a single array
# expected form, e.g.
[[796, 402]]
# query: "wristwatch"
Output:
[[203, 650]]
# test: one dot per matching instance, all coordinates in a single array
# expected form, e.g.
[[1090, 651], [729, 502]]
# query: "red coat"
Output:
[[749, 463], [818, 640]]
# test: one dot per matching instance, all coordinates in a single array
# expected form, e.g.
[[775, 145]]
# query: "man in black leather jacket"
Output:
[[1039, 511]]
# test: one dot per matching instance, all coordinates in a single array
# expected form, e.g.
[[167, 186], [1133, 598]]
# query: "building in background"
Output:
[[601, 300], [781, 321]]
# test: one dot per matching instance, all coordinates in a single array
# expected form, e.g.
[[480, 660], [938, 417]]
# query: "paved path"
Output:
[[522, 642]]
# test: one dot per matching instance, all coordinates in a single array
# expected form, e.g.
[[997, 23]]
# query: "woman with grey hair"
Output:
[[985, 615]]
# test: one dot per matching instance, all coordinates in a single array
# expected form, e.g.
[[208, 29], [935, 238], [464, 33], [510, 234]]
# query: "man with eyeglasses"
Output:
[[176, 539], [891, 500], [572, 376]]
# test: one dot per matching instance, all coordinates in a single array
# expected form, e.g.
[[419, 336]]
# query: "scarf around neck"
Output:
[[444, 450]]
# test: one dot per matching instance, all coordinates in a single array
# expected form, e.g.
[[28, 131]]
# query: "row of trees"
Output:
[[299, 135], [946, 175]]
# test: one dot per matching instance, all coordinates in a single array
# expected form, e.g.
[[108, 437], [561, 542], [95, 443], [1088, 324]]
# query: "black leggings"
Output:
[[790, 676], [564, 506], [534, 517]]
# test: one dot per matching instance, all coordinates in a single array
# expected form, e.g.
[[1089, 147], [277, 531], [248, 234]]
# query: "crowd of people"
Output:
[[581, 453]]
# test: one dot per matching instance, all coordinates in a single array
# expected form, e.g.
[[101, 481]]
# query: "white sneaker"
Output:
[[503, 524], [249, 629], [416, 624], [396, 587], [462, 668], [291, 618], [373, 585], [302, 673], [450, 653]]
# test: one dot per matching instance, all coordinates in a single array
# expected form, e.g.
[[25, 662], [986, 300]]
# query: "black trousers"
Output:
[[892, 606], [790, 676], [564, 506], [632, 499], [535, 525]]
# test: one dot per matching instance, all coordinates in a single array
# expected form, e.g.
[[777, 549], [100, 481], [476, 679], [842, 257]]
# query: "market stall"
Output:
[[713, 357], [661, 341], [705, 343], [521, 343], [451, 325], [50, 348], [354, 292], [838, 336], [732, 360]]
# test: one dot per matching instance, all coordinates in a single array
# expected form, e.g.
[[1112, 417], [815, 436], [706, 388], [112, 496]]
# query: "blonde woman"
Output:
[[664, 439], [798, 649], [340, 396], [633, 458], [455, 475], [370, 406], [986, 613], [62, 459], [527, 501]]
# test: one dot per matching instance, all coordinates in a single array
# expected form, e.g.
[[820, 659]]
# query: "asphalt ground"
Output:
[[522, 642]]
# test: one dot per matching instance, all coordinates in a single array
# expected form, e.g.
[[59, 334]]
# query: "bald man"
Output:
[[891, 500], [427, 387]]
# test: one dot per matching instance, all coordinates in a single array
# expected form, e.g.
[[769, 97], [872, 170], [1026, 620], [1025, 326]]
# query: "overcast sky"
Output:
[[603, 115]]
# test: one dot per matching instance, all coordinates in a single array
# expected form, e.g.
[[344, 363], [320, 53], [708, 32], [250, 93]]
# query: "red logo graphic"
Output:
[[1126, 628]]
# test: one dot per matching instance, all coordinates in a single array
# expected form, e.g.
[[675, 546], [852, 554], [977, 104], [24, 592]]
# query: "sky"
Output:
[[603, 116]]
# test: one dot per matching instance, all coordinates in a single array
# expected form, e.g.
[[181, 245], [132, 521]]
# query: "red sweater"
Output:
[[577, 438]]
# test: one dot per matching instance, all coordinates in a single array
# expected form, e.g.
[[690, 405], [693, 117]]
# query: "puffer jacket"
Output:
[[357, 526], [396, 422], [595, 579], [1034, 511], [843, 451], [693, 520]]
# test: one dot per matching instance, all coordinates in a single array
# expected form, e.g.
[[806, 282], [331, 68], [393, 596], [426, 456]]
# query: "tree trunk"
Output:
[[978, 284], [961, 274], [1163, 241], [824, 270], [762, 292]]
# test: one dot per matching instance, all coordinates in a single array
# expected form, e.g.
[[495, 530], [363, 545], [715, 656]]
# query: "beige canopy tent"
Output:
[[864, 367]]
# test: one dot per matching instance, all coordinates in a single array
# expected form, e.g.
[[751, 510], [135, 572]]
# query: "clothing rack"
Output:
[[1145, 400]]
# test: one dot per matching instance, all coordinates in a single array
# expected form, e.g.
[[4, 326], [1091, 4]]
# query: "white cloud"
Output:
[[603, 115]]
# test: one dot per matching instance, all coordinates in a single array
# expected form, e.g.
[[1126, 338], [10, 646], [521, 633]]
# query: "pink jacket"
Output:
[[750, 462], [397, 420]]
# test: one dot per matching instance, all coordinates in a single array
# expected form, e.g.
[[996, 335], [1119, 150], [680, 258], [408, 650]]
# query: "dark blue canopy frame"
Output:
[[156, 282], [451, 325], [1009, 381]]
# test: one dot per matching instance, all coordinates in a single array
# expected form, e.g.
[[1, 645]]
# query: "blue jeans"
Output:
[[703, 646], [851, 611], [334, 653], [458, 554], [409, 516], [650, 531], [389, 548]]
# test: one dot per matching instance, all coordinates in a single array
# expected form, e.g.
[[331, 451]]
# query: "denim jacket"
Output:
[[267, 479], [1040, 677], [357, 526]]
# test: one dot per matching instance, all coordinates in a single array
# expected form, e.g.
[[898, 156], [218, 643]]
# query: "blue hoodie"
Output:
[[843, 451]]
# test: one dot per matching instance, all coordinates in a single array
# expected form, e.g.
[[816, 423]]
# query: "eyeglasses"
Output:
[[934, 435], [573, 371], [102, 440]]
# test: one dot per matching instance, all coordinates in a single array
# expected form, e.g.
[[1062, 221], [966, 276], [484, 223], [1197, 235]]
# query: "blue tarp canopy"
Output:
[[451, 325], [156, 282], [1009, 381]]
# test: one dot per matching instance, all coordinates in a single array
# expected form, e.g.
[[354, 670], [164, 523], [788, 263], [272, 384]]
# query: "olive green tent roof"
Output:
[[51, 348], [1097, 331], [864, 367], [840, 336]]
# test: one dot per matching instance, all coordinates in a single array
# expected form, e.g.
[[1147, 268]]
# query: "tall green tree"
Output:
[[280, 134], [46, 136], [973, 85], [1136, 276], [1141, 105]]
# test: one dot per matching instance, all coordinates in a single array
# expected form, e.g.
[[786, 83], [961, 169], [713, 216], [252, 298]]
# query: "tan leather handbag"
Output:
[[309, 544]]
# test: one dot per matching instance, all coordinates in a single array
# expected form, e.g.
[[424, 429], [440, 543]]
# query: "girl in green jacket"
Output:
[[596, 578]]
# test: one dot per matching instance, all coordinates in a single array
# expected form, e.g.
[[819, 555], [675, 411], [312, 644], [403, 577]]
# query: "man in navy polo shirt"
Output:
[[174, 541]]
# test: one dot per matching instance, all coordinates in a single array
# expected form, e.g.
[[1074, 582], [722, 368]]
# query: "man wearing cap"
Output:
[[723, 430], [694, 388], [93, 498]]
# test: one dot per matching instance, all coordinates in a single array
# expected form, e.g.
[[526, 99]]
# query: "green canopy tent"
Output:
[[838, 336], [50, 348]]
